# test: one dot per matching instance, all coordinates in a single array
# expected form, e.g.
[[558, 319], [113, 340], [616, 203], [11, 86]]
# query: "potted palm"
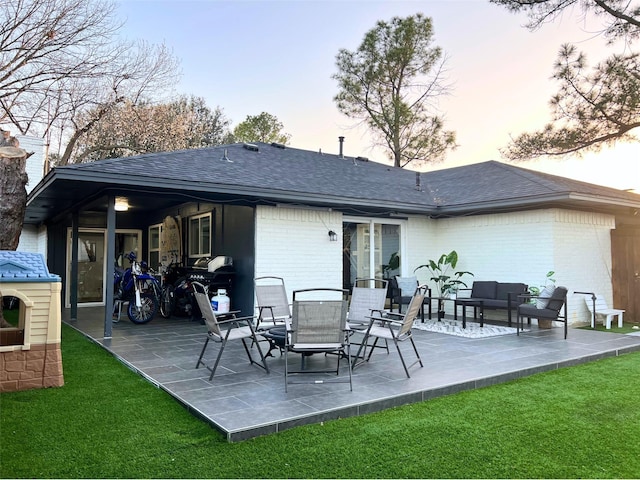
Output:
[[444, 276]]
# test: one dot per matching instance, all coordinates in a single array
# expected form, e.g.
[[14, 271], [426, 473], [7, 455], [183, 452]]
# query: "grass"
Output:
[[627, 327], [107, 422]]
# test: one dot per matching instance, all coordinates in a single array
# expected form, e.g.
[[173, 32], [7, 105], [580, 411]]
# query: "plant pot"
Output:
[[542, 323]]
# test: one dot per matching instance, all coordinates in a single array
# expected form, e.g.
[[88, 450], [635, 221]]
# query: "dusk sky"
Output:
[[278, 57]]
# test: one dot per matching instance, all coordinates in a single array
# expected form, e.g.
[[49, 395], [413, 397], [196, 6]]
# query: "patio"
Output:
[[243, 401]]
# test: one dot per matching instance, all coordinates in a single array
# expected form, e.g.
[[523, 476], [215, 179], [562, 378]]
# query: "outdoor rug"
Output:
[[473, 330]]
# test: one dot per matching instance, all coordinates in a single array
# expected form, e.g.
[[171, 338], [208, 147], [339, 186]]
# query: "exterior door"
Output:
[[625, 266], [371, 249], [91, 262], [91, 267]]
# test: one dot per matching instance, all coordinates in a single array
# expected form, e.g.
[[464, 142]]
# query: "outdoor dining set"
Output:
[[318, 321]]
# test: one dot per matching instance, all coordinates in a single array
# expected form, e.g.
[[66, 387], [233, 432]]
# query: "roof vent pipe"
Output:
[[418, 181], [341, 140]]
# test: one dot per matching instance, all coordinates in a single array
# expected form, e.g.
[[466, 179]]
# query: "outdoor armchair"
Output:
[[545, 307], [395, 327], [368, 296], [223, 331], [318, 325], [272, 302]]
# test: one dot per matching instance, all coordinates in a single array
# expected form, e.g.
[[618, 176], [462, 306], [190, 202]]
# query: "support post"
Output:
[[110, 259]]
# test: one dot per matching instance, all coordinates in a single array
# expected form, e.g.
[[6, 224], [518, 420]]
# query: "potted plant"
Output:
[[392, 265], [443, 275]]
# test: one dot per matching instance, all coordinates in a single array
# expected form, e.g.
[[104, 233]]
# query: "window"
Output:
[[200, 235], [155, 231]]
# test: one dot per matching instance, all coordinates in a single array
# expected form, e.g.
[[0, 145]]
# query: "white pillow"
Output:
[[546, 293], [464, 293], [407, 285]]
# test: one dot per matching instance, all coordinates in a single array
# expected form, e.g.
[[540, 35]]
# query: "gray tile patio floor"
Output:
[[243, 401]]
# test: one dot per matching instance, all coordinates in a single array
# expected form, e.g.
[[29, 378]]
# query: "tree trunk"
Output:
[[13, 195], [13, 201]]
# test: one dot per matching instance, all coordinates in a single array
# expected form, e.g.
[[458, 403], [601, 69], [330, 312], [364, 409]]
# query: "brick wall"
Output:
[[524, 246], [294, 244], [507, 247]]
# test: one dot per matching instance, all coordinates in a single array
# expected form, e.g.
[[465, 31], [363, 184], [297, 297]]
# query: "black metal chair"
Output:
[[555, 309]]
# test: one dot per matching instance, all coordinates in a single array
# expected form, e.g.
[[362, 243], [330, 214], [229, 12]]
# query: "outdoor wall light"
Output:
[[122, 204], [333, 236]]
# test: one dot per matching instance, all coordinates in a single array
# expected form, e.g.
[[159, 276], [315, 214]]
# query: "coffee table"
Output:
[[477, 304]]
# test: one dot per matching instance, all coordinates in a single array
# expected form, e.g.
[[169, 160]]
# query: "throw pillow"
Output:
[[546, 296], [407, 285], [463, 293]]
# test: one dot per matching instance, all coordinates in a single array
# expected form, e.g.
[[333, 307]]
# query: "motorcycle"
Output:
[[139, 289], [177, 296]]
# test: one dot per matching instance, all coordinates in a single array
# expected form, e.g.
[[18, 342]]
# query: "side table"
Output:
[[477, 304]]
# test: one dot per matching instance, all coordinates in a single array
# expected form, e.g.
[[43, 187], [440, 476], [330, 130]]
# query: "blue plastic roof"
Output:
[[24, 267]]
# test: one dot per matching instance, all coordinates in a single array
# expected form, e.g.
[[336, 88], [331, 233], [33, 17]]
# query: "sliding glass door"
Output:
[[91, 262], [91, 266], [371, 249]]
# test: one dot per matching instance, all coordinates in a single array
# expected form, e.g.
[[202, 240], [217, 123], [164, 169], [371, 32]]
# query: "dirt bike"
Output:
[[137, 288]]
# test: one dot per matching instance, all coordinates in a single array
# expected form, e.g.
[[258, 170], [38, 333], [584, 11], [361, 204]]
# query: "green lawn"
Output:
[[627, 327], [578, 422]]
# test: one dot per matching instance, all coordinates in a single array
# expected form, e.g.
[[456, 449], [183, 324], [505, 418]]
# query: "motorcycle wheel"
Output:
[[147, 310], [167, 302]]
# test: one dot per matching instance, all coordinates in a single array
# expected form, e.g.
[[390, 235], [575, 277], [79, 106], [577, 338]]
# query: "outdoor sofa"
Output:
[[490, 295]]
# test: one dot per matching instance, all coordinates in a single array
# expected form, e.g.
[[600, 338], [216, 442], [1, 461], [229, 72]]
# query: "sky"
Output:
[[278, 56]]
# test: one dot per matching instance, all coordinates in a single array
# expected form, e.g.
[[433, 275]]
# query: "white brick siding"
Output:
[[33, 239], [523, 247], [506, 247], [294, 244]]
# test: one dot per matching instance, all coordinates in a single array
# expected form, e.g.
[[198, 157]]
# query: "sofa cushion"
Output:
[[493, 304], [557, 299], [531, 311], [484, 289], [515, 289]]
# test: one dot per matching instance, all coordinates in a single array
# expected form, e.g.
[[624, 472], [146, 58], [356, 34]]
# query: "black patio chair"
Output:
[[553, 307]]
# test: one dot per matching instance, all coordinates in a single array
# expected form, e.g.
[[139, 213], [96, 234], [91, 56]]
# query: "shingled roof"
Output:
[[269, 173]]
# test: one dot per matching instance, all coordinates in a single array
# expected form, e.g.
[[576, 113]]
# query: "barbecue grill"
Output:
[[217, 273]]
